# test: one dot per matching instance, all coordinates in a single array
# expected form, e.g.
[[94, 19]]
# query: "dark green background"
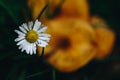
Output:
[[15, 65]]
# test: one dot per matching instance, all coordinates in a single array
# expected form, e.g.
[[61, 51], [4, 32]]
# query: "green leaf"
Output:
[[7, 8], [3, 56], [22, 75], [13, 73], [39, 73]]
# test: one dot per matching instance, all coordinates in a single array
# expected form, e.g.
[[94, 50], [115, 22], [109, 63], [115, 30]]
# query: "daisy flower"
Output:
[[31, 35]]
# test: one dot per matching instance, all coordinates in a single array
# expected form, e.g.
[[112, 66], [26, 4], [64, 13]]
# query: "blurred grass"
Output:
[[15, 65], [7, 8]]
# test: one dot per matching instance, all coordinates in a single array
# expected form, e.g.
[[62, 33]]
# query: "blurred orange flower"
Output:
[[75, 8], [36, 7], [74, 41], [105, 37]]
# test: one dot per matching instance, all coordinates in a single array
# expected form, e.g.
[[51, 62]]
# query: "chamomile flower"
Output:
[[31, 35]]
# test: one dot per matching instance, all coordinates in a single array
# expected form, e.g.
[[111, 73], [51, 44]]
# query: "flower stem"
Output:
[[53, 74], [42, 52], [43, 10]]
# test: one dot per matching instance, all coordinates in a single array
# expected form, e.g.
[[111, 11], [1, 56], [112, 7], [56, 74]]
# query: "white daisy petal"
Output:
[[19, 33], [22, 29], [25, 26], [33, 47], [23, 45], [30, 25], [42, 43], [20, 36], [31, 50], [44, 39], [43, 29], [27, 45], [20, 47], [44, 35], [37, 25], [28, 49], [19, 39], [21, 42], [34, 50], [23, 49]]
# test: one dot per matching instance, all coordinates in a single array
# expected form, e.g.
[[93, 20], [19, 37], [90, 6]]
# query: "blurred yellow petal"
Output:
[[36, 6], [105, 37], [78, 8], [72, 43], [73, 8]]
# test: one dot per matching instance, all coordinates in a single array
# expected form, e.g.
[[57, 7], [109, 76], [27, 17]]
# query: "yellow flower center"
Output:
[[31, 36]]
